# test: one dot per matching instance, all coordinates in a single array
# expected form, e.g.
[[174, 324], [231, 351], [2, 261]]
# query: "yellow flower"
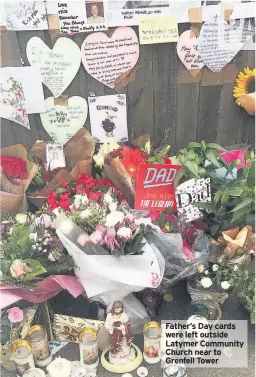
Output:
[[99, 159], [242, 82]]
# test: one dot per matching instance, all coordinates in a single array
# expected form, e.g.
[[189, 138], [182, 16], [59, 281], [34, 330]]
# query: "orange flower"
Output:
[[131, 159]]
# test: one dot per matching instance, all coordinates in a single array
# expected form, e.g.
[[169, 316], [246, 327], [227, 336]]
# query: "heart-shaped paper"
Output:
[[58, 66], [12, 100], [107, 58], [63, 122], [187, 50], [219, 42]]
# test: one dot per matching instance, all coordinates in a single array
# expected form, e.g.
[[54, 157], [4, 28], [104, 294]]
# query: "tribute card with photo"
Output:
[[108, 116], [55, 156]]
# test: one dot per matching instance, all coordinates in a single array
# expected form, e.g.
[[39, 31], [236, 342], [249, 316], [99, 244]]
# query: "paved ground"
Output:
[[175, 310]]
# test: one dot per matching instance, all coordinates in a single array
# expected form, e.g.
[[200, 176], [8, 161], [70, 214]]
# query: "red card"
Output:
[[155, 187]]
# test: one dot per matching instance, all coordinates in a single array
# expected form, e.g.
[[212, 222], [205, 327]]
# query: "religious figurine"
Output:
[[122, 356]]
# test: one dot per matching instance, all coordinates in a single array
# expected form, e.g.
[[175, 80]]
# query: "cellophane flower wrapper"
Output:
[[78, 152], [109, 278], [13, 197], [177, 265]]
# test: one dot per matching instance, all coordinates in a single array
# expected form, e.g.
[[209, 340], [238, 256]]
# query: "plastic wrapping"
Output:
[[177, 265]]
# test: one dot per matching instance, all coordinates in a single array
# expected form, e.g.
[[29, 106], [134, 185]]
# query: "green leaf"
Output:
[[225, 196], [205, 205], [242, 204], [212, 157], [240, 213], [180, 173], [203, 145], [193, 168], [251, 176], [215, 146], [232, 166], [235, 191], [193, 144], [218, 196], [202, 172], [60, 190], [37, 269], [191, 155]]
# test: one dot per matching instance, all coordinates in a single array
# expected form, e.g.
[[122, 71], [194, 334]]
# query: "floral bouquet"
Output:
[[15, 324], [16, 175], [121, 165], [78, 152], [105, 238]]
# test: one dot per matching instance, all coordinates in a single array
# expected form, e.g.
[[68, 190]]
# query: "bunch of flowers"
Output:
[[216, 276], [98, 209], [30, 249], [14, 168]]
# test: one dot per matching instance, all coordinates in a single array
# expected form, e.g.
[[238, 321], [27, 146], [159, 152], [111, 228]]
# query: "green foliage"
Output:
[[19, 244], [199, 160], [36, 267]]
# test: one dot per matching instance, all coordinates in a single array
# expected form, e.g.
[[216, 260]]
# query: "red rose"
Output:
[[64, 183], [93, 196], [79, 187], [54, 205], [52, 198], [167, 160], [13, 170]]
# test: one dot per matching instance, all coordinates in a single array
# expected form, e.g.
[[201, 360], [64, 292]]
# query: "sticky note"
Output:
[[159, 29]]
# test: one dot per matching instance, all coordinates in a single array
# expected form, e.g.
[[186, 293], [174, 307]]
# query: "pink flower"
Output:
[[83, 239], [19, 268], [124, 233], [229, 157], [44, 220], [101, 228], [110, 239], [15, 315], [188, 251], [96, 237]]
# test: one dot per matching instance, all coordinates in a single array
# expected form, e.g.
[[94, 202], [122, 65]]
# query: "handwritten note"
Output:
[[106, 58], [187, 50], [72, 17], [25, 15], [219, 42], [12, 100], [58, 66], [161, 29], [108, 117], [191, 192], [63, 122]]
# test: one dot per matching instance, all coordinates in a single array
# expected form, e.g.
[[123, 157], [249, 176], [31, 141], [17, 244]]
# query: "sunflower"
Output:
[[245, 83]]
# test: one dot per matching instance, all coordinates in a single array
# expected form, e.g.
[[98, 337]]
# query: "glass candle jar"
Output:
[[152, 342], [22, 356], [88, 344], [175, 370], [37, 337], [198, 308], [34, 372]]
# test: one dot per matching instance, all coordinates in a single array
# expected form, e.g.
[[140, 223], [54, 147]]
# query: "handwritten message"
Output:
[[12, 100], [58, 66], [219, 42], [161, 29], [63, 122], [191, 192], [106, 58], [25, 15], [108, 116], [72, 18], [187, 50]]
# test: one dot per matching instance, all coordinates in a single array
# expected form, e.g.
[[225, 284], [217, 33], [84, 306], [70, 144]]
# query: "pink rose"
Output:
[[44, 220], [83, 239], [101, 228], [96, 237], [229, 157], [19, 268], [15, 315]]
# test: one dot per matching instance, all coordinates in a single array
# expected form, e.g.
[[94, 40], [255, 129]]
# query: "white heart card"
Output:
[[12, 99], [106, 58], [219, 42], [187, 50], [63, 122], [58, 66]]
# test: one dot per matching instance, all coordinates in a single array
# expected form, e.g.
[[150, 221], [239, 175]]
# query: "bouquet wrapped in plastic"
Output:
[[16, 174], [78, 152]]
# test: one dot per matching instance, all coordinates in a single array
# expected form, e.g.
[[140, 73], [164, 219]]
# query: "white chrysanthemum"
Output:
[[235, 267], [206, 272], [225, 284], [206, 282], [85, 214], [113, 218], [215, 267], [112, 206], [200, 268], [21, 218]]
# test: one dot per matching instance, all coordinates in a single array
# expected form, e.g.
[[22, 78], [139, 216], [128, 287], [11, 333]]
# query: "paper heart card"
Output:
[[187, 50], [107, 58], [219, 42], [58, 66], [12, 100], [63, 122]]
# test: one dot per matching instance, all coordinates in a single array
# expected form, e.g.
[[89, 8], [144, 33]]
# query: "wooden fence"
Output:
[[157, 103]]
